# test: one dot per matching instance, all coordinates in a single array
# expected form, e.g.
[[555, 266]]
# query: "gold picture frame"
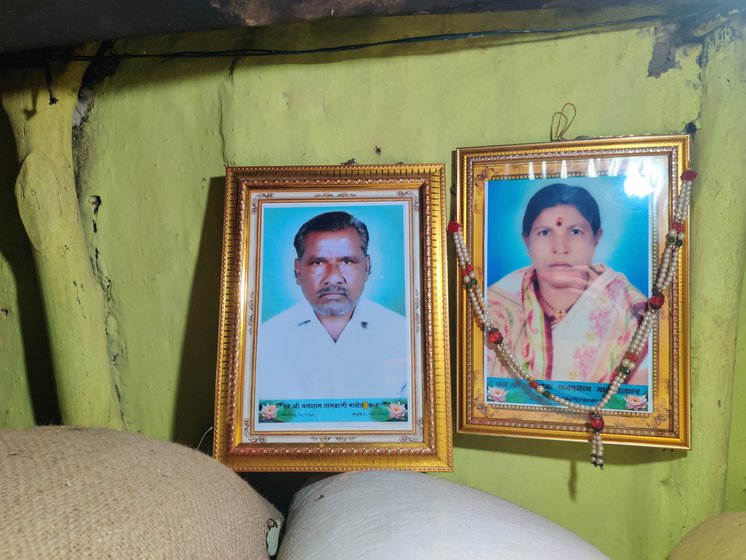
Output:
[[505, 196], [293, 391]]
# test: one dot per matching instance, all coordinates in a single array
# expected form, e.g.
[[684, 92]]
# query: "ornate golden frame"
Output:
[[668, 423], [238, 443]]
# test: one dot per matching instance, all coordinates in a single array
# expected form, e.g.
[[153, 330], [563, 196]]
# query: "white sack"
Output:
[[412, 516]]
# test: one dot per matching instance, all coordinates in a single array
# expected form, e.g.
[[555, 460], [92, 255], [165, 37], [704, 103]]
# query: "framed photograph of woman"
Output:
[[566, 239], [328, 320]]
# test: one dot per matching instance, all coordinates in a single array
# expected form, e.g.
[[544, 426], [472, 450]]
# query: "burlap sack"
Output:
[[69, 493], [722, 537], [418, 517]]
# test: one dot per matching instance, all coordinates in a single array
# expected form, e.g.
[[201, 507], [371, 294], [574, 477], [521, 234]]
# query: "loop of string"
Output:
[[561, 122], [203, 438]]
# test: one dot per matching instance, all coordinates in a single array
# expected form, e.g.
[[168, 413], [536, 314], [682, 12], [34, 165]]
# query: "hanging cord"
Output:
[[561, 123], [469, 35]]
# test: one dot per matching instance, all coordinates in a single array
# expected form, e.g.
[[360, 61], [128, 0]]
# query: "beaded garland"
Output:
[[666, 273]]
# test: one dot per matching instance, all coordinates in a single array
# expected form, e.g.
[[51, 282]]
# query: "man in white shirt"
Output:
[[335, 343]]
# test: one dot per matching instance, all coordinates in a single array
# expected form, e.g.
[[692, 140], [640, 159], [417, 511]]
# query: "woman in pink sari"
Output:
[[564, 317]]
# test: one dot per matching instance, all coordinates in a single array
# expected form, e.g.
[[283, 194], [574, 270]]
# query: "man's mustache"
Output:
[[333, 289]]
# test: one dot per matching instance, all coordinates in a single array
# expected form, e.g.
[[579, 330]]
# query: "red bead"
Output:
[[677, 226], [453, 226], [656, 301], [631, 356], [534, 384], [468, 268], [597, 422], [494, 337], [689, 175]]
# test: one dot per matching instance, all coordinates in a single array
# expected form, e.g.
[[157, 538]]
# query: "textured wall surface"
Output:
[[722, 253], [735, 487], [160, 132], [27, 391], [15, 405]]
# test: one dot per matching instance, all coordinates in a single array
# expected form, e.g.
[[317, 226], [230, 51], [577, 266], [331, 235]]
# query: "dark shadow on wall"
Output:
[[15, 247], [196, 384], [194, 415], [278, 488]]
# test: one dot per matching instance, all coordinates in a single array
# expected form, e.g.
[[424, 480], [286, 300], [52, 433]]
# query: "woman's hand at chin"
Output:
[[565, 277]]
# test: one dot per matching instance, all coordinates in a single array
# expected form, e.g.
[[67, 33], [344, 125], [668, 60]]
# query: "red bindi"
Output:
[[559, 222]]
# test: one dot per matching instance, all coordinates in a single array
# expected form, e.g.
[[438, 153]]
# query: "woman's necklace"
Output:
[[666, 272], [557, 314]]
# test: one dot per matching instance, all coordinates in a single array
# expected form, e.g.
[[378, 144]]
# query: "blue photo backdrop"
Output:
[[385, 222], [625, 220]]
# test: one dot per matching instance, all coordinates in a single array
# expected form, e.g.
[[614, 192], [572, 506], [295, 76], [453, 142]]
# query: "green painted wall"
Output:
[[27, 392], [160, 133], [726, 97], [15, 406], [735, 487]]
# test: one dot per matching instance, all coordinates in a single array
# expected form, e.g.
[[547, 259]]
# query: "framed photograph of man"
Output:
[[332, 325], [567, 239]]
